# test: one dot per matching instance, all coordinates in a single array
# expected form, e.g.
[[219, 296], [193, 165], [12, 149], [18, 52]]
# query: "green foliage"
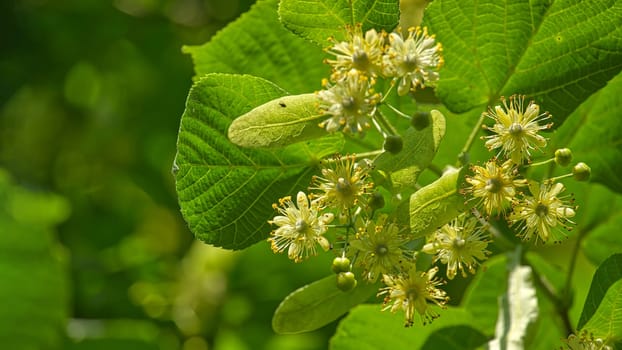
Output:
[[33, 268], [606, 278], [214, 176], [317, 304], [318, 20], [556, 52]]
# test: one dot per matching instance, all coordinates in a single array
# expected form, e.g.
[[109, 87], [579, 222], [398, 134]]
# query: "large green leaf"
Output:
[[257, 44], [608, 273], [557, 52], [32, 269], [594, 134], [368, 328], [481, 298], [317, 304], [317, 20], [226, 192]]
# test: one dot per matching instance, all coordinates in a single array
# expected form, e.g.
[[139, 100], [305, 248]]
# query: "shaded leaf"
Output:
[[317, 20], [368, 328], [257, 44], [317, 304], [481, 298], [280, 122], [608, 273], [556, 52], [226, 192], [461, 337]]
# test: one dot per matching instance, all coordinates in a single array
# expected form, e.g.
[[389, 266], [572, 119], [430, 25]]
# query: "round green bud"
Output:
[[420, 120], [563, 156], [393, 144], [581, 171], [341, 264], [376, 201], [346, 281]]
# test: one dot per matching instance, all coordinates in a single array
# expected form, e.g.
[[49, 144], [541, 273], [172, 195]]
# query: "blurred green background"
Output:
[[93, 251]]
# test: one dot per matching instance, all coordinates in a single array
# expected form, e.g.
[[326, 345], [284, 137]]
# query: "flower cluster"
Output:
[[349, 99], [537, 208]]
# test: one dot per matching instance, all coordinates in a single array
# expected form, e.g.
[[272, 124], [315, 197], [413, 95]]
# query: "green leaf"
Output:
[[318, 20], [594, 134], [481, 298], [368, 328], [280, 122], [608, 273], [32, 269], [257, 44], [226, 192], [436, 204], [317, 304], [556, 52], [420, 146], [606, 322], [459, 337]]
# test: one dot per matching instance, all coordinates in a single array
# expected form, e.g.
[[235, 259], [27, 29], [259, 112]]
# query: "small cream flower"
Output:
[[350, 102], [414, 61], [300, 228], [516, 129], [461, 245], [585, 342], [495, 185], [344, 183], [542, 214], [363, 53], [411, 292], [378, 246]]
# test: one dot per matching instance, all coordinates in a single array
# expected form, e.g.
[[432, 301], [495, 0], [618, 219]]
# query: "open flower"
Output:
[[585, 341], [494, 185], [379, 248], [363, 53], [414, 61], [516, 128], [460, 244], [344, 183], [411, 292], [350, 102], [542, 215], [300, 228]]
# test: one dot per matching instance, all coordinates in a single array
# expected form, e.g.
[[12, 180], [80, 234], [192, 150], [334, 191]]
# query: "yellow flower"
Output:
[[411, 292], [300, 228], [494, 185], [350, 103], [516, 129], [543, 214], [414, 61], [363, 53], [378, 247], [344, 183], [461, 245]]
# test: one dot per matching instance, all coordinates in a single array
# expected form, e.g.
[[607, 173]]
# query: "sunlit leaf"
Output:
[[608, 273], [436, 204], [606, 322], [226, 192], [280, 122], [418, 151], [317, 304], [556, 52], [317, 20], [257, 44]]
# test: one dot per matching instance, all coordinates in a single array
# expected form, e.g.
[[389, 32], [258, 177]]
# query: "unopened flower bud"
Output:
[[563, 156], [341, 264], [581, 171], [393, 144], [376, 201], [346, 281], [420, 120]]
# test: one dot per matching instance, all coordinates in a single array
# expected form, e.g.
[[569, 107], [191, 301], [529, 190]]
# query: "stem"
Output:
[[398, 112], [471, 139], [381, 118], [539, 163], [553, 179]]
